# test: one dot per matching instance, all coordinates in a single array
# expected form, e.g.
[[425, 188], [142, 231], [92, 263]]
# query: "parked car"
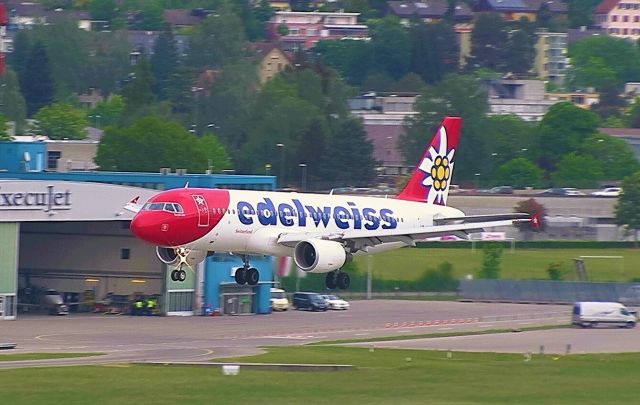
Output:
[[309, 300], [498, 190], [561, 191], [335, 302], [586, 314], [279, 301], [573, 191], [608, 192]]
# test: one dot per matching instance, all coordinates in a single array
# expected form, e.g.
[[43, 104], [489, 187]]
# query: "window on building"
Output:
[[52, 159], [614, 18], [625, 18], [125, 254]]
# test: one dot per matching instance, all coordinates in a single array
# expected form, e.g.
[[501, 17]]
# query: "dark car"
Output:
[[501, 190], [310, 301], [554, 191]]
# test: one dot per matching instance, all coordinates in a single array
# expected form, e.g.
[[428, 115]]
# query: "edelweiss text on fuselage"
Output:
[[298, 214]]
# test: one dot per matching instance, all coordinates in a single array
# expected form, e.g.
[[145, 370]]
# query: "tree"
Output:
[[520, 52], [488, 38], [21, 49], [102, 10], [214, 152], [581, 12], [533, 208], [577, 171], [151, 17], [108, 61], [12, 104], [344, 164], [492, 255], [519, 173], [434, 50], [562, 130], [62, 121], [606, 55], [36, 82], [509, 137], [615, 156], [164, 63], [254, 17], [137, 94], [351, 58], [4, 134], [217, 41], [390, 43], [108, 112], [153, 142], [627, 208], [458, 96]]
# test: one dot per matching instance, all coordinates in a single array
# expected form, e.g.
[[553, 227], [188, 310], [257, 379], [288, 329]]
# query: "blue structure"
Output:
[[220, 289], [22, 156]]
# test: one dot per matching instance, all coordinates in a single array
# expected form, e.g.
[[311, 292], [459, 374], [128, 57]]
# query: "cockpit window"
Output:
[[168, 207]]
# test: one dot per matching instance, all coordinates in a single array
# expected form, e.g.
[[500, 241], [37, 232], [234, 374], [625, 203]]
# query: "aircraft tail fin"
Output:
[[432, 176]]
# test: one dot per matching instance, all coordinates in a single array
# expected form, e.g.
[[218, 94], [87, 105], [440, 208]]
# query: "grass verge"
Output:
[[43, 356], [435, 335]]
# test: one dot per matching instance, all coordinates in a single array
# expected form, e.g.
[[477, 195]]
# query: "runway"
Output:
[[127, 338]]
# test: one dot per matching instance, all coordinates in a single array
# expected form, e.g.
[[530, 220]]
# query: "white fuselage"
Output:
[[253, 220]]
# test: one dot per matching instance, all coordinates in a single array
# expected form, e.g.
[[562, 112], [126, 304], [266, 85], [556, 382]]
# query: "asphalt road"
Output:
[[128, 338]]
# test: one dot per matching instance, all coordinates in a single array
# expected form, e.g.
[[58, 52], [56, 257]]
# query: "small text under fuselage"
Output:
[[297, 214]]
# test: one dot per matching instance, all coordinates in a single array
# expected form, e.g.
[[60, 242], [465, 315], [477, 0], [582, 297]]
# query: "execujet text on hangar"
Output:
[[47, 200]]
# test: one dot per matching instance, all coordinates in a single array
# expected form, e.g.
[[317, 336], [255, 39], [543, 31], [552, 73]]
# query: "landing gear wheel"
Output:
[[252, 276], [182, 275], [174, 275], [331, 281], [241, 276], [343, 281]]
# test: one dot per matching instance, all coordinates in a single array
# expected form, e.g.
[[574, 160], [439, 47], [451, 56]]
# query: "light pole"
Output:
[[477, 180], [303, 177], [267, 169], [281, 179]]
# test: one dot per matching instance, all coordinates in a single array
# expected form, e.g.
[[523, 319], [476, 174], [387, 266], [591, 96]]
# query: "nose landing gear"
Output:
[[337, 279]]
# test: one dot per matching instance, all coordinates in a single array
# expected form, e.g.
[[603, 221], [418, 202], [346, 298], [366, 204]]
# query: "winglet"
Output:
[[535, 222], [133, 206], [432, 176]]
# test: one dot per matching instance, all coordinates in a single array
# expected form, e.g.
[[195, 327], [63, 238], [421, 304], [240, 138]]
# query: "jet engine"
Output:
[[175, 256], [319, 256]]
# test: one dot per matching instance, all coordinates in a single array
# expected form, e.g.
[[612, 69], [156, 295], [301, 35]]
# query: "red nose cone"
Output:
[[144, 226]]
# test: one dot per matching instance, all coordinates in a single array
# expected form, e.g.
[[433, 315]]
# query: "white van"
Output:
[[587, 314], [279, 301]]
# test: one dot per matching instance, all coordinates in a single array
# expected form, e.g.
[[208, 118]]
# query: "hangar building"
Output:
[[69, 232]]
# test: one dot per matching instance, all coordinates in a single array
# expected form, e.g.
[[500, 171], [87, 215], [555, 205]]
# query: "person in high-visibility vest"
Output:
[[137, 307], [151, 305]]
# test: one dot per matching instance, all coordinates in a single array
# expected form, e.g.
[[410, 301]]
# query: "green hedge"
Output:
[[533, 245]]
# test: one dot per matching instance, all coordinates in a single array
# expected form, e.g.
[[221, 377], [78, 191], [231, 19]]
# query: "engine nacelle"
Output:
[[319, 256], [171, 256]]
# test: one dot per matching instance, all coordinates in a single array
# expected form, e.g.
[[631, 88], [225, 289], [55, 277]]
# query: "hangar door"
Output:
[[9, 232]]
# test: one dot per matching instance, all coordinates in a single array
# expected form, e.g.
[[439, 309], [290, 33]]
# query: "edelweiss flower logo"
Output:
[[438, 165]]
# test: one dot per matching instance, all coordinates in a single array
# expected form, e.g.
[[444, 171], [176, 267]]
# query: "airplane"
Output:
[[322, 232]]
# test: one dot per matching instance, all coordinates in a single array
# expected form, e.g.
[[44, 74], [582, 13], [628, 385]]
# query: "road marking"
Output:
[[445, 328], [362, 334]]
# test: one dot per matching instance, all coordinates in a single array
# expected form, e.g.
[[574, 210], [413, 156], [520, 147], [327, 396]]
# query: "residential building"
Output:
[[551, 56], [307, 28], [576, 34], [383, 118], [428, 11], [582, 99], [142, 42], [619, 18], [271, 60], [524, 98], [514, 10]]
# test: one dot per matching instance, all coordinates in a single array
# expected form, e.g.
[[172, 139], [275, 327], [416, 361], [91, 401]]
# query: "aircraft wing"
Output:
[[360, 240], [133, 205]]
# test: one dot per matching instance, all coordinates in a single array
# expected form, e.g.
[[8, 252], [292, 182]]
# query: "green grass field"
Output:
[[41, 356], [382, 377], [410, 263]]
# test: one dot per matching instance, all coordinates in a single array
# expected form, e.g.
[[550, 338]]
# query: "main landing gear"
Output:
[[246, 274], [337, 279]]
